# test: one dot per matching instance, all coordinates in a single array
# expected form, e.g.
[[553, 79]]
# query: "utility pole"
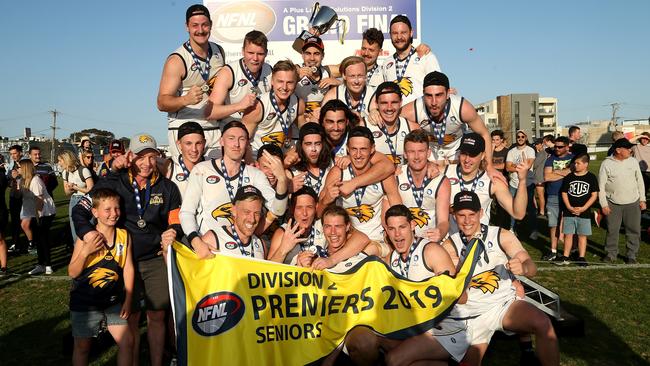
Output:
[[615, 107], [52, 152]]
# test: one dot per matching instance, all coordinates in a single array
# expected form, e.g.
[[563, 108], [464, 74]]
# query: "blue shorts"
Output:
[[576, 225], [553, 210], [86, 324]]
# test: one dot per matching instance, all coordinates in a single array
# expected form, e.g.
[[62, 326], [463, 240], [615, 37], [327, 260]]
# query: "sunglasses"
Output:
[[521, 137], [560, 147]]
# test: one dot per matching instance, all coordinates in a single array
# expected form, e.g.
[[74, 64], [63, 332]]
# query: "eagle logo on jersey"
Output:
[[101, 277], [311, 106], [363, 213], [275, 138], [406, 85], [210, 84], [420, 216], [487, 281], [395, 159], [223, 211]]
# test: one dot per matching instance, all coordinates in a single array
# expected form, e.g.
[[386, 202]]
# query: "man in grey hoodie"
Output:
[[622, 198]]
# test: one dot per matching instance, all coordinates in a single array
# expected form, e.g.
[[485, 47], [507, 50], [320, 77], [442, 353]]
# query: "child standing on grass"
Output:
[[579, 192], [102, 286]]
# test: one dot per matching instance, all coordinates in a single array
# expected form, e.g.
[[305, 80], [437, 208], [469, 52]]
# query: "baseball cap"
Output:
[[522, 131], [313, 42], [436, 78], [623, 142], [472, 144], [245, 192], [388, 87], [466, 200], [116, 145], [141, 142], [188, 128], [196, 9], [85, 138]]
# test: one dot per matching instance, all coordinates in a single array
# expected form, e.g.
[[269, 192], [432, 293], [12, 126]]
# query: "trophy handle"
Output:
[[314, 11], [338, 29]]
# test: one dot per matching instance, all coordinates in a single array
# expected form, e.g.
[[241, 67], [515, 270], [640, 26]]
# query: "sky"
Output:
[[99, 63]]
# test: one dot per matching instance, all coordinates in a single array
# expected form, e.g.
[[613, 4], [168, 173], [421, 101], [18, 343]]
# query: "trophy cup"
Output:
[[322, 19]]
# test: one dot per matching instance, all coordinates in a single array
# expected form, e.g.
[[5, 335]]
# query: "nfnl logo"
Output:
[[217, 313], [236, 19]]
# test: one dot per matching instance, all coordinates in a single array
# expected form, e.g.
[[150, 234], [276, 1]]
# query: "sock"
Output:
[[553, 251]]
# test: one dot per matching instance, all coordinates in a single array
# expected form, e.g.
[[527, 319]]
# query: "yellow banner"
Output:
[[238, 311]]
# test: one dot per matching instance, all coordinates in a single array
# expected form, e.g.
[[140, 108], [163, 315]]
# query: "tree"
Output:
[[97, 137]]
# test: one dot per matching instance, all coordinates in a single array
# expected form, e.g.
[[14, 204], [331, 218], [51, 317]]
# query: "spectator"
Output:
[[77, 181], [579, 192], [85, 144], [87, 160], [39, 209], [500, 216], [641, 152], [116, 148], [4, 216], [622, 199], [89, 303], [43, 170], [15, 199], [556, 168], [615, 136], [574, 147], [522, 153], [538, 173]]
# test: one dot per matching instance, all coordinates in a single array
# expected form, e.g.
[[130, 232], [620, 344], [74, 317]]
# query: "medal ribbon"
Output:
[[240, 244], [418, 193], [360, 106], [249, 75], [462, 182], [285, 126], [407, 265], [310, 242], [186, 172], [439, 128], [240, 180], [482, 236], [147, 195], [358, 193], [205, 72], [319, 182], [384, 130], [400, 66], [370, 73]]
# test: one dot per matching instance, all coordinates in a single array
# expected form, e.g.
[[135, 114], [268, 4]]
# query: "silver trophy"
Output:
[[322, 19]]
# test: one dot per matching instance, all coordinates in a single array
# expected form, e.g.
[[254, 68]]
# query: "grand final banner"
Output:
[[283, 20], [240, 311]]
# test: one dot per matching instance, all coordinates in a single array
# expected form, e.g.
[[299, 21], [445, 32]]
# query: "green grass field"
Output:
[[613, 303]]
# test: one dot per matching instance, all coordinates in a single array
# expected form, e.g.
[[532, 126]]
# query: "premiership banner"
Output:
[[239, 311], [283, 20]]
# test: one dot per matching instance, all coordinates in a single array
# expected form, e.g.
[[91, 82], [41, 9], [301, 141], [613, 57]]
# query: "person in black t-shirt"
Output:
[[579, 192], [499, 216]]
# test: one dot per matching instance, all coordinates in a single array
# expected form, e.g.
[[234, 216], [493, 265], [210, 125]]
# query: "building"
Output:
[[535, 115]]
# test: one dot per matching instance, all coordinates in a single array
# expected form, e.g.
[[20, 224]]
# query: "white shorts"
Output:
[[212, 143], [482, 328], [453, 336]]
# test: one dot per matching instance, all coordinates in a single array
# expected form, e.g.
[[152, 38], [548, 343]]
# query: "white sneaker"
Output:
[[48, 270], [37, 270], [534, 235]]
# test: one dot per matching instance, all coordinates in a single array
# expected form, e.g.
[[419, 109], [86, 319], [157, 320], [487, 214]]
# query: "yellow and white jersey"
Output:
[[207, 203], [227, 244], [491, 283], [416, 69], [366, 216], [425, 214], [193, 77], [343, 96], [454, 127], [414, 267], [345, 265], [481, 185], [242, 86], [374, 76], [178, 175], [384, 142], [270, 130], [309, 91], [316, 182]]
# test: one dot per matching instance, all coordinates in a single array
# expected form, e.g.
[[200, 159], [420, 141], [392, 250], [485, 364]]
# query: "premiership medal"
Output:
[[256, 90], [142, 224], [314, 70], [141, 209], [205, 88]]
